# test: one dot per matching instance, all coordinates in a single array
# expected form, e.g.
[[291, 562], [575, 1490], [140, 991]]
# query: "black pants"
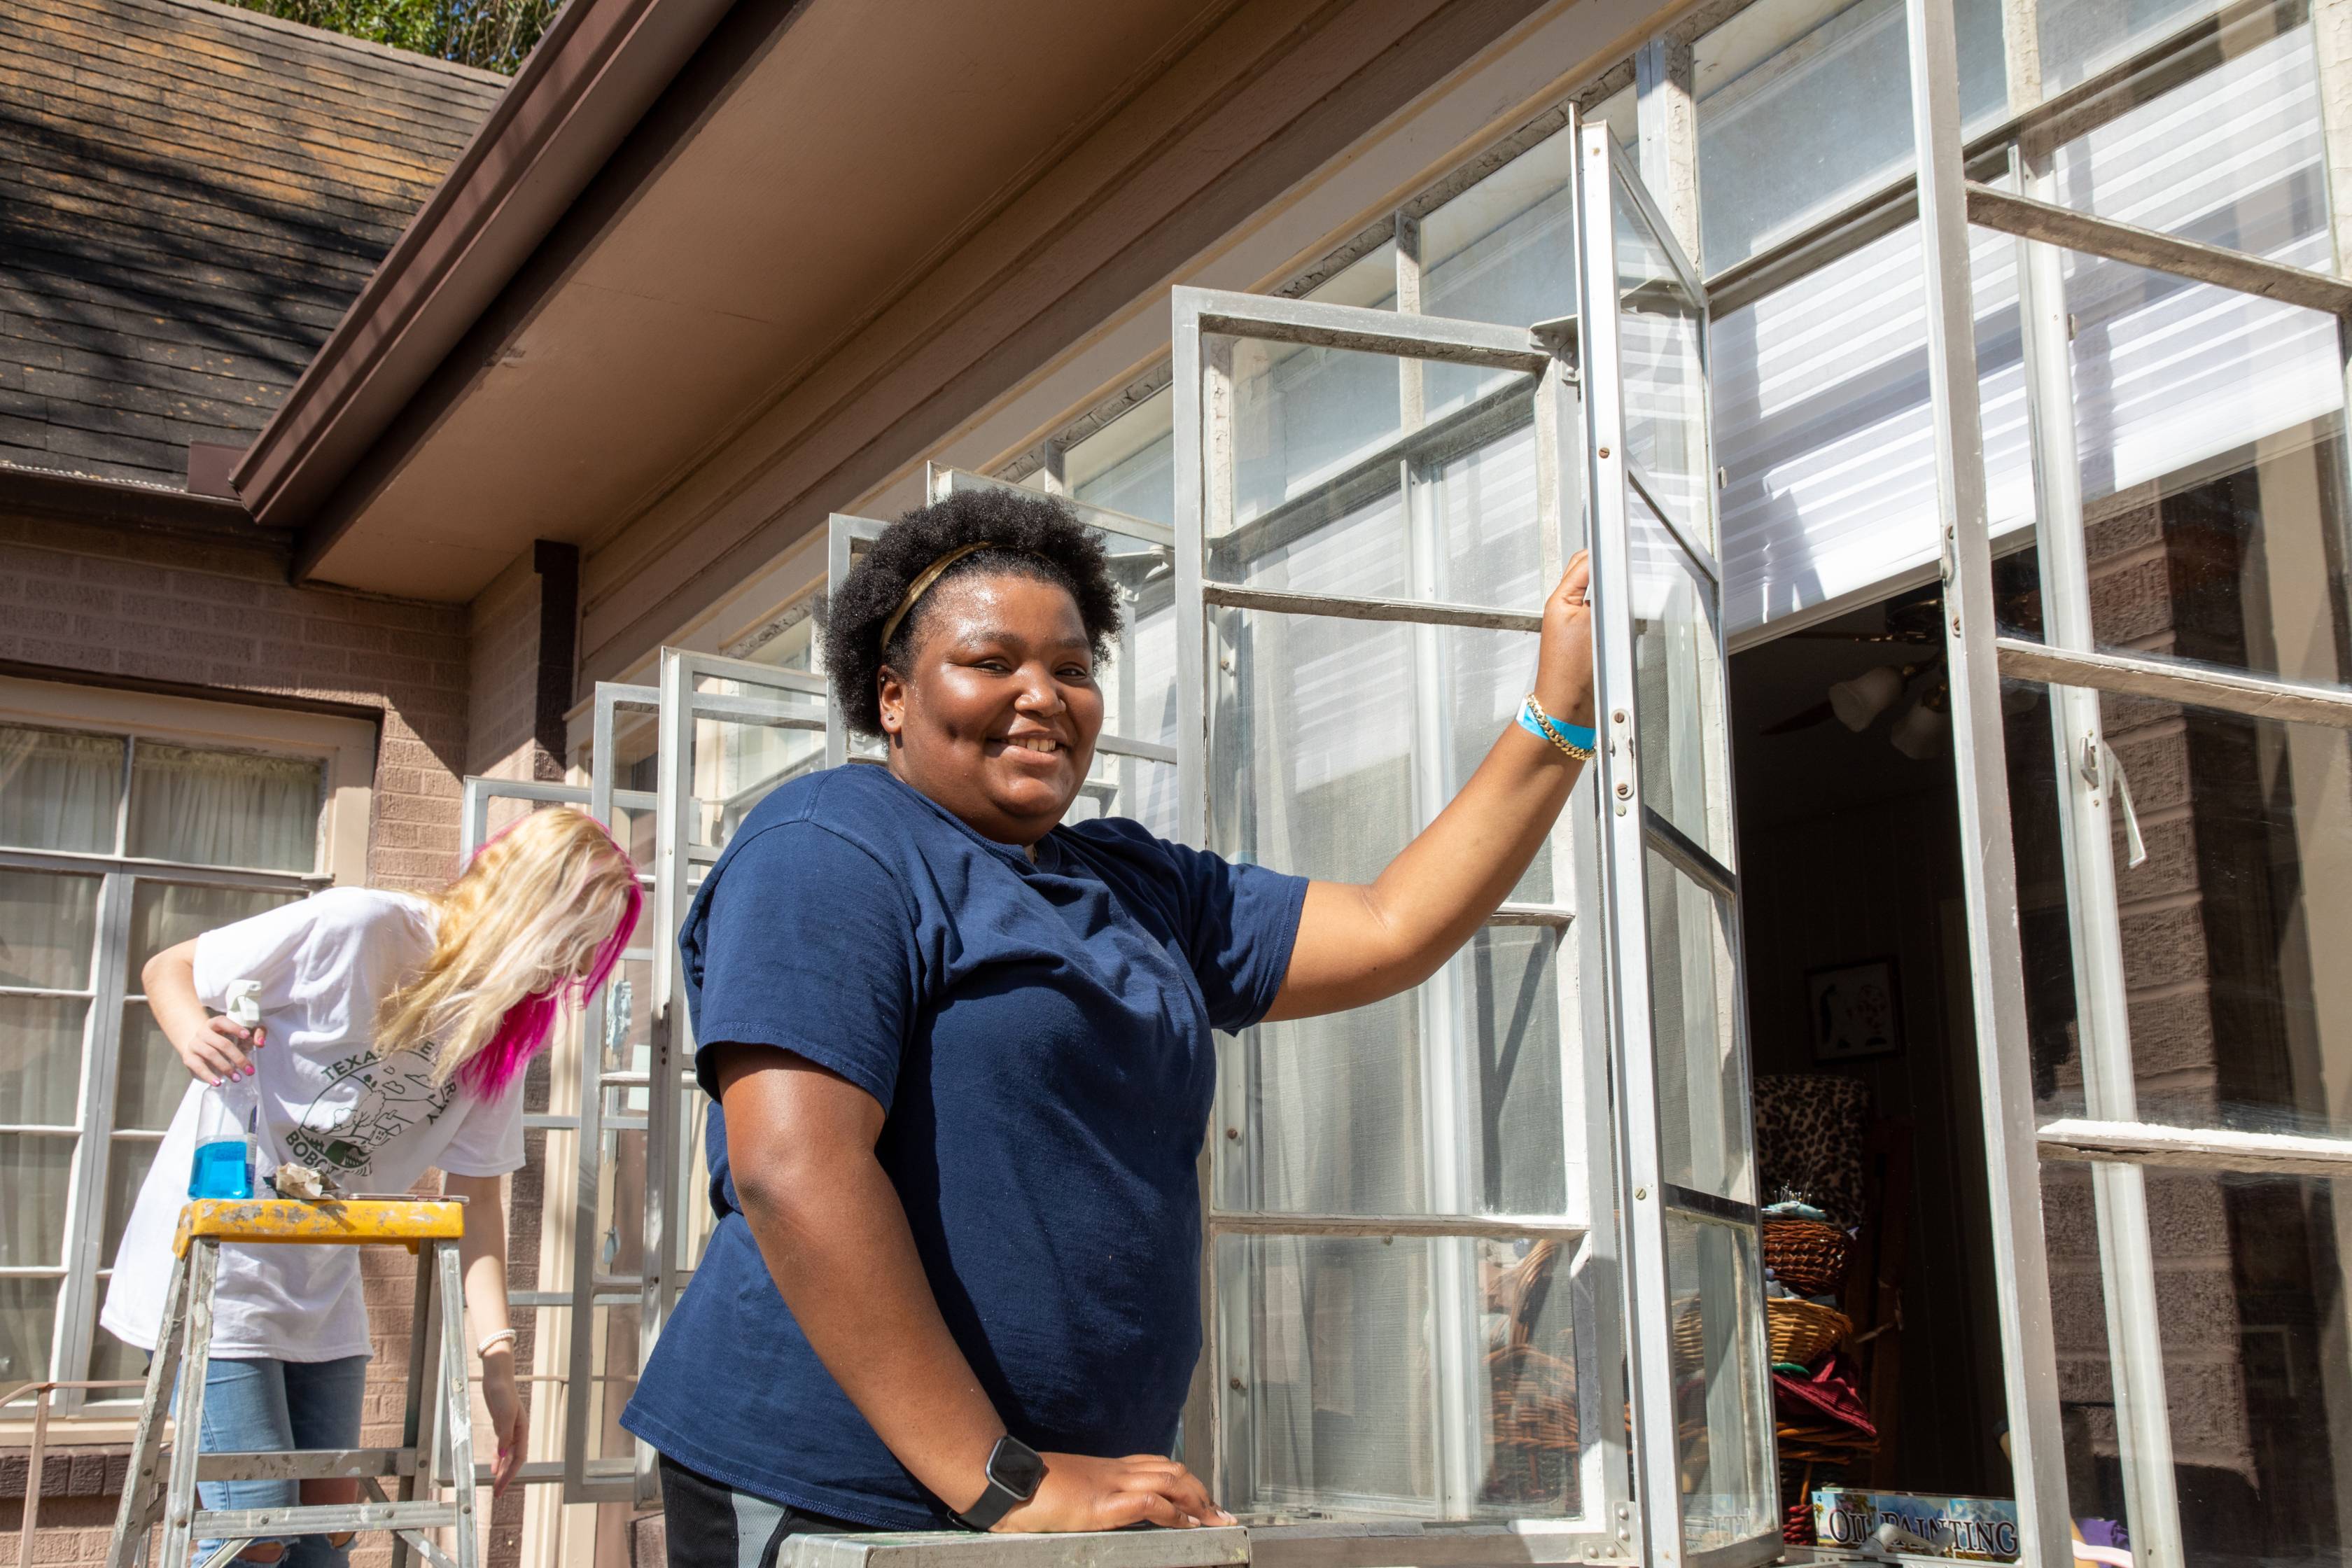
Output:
[[709, 1524]]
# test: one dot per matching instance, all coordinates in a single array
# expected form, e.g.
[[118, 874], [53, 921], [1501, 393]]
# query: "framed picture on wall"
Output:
[[1855, 1010]]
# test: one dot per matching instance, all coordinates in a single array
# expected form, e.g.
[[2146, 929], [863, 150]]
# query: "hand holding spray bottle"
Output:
[[228, 1117]]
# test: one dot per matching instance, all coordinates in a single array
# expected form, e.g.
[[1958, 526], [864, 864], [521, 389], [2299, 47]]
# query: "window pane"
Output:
[[1505, 250], [1327, 1339], [1528, 1161], [1133, 787], [1703, 1113], [164, 915], [48, 928], [738, 763], [2232, 929], [1466, 530], [1333, 741], [225, 808], [1139, 686], [1678, 686], [788, 646], [1325, 1115], [1335, 1395], [1129, 464], [1722, 1384], [2236, 564], [126, 1168], [2082, 37], [2251, 1316], [28, 1310], [40, 1058], [1803, 108], [1665, 384], [1823, 428], [1368, 281], [110, 1360], [1330, 1115], [1530, 1418], [150, 1079], [1303, 416], [34, 1171], [2233, 157], [58, 790]]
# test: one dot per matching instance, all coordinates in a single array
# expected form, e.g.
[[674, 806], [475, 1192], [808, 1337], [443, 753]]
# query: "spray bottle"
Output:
[[228, 1117]]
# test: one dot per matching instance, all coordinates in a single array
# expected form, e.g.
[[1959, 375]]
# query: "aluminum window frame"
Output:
[[1204, 324], [80, 1271], [1634, 830], [583, 1480], [2119, 1146]]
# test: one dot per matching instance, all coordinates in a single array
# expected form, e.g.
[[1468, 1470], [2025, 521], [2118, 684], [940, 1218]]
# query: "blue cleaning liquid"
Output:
[[221, 1170]]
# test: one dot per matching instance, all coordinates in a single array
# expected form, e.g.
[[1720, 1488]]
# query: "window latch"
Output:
[[2101, 766]]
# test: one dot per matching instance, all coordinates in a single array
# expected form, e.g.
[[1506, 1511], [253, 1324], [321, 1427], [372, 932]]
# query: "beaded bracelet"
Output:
[[1575, 740]]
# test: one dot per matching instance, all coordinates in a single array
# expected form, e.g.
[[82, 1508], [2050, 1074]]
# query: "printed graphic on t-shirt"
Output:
[[368, 1101]]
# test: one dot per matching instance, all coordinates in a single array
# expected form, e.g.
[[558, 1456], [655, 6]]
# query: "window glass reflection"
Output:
[[1805, 106], [2231, 927], [2252, 1319], [1129, 464]]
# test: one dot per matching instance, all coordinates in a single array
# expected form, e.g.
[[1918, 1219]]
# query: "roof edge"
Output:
[[128, 503], [600, 67]]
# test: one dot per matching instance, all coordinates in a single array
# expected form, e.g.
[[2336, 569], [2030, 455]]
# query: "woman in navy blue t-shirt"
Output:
[[963, 1063]]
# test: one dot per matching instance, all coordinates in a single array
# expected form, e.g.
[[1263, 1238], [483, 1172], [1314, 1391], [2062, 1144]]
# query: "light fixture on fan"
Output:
[[1858, 702]]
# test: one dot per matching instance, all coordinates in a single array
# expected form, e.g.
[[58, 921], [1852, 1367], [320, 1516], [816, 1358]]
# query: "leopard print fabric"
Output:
[[1809, 1138]]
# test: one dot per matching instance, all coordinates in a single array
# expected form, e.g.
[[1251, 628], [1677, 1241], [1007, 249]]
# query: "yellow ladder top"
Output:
[[355, 1222]]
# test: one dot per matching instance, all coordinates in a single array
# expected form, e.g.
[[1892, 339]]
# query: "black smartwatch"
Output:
[[1014, 1474]]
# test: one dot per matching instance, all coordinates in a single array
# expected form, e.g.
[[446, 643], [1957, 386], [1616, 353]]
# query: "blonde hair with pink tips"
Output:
[[532, 926]]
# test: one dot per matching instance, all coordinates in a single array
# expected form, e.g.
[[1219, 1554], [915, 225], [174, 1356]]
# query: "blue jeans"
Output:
[[263, 1404]]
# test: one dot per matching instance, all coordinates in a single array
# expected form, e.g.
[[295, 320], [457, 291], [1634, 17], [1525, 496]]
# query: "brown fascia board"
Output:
[[600, 65]]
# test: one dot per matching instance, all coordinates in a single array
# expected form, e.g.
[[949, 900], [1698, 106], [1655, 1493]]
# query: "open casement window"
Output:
[[1483, 1258], [673, 770], [2157, 1025]]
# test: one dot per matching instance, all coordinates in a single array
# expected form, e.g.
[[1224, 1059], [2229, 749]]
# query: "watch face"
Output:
[[1015, 1467]]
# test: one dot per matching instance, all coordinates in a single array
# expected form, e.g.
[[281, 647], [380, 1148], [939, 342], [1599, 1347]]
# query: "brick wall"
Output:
[[77, 597], [502, 703]]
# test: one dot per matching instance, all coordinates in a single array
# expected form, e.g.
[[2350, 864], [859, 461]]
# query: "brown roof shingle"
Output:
[[190, 195]]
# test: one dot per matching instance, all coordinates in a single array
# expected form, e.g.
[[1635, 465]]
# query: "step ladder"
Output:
[[436, 1433]]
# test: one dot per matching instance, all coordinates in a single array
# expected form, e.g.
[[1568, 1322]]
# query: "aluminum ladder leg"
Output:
[[436, 1433]]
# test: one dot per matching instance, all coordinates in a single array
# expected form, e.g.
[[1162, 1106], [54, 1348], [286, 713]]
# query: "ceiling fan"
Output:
[[1911, 620]]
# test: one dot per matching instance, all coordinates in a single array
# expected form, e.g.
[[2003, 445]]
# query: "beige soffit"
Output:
[[806, 165]]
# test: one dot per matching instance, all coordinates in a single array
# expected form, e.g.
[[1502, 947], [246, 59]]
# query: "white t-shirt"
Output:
[[373, 1124]]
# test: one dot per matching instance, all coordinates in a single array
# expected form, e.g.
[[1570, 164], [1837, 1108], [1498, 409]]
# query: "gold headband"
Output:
[[922, 583]]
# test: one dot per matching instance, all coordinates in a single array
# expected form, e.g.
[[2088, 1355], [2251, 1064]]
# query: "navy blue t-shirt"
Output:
[[1039, 1037]]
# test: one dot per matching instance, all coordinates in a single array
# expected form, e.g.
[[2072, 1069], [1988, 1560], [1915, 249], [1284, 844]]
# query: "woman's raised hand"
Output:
[[218, 1049], [1083, 1493], [1564, 661]]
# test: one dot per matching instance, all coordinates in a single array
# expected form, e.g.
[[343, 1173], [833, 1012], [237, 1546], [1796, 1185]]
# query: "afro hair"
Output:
[[1030, 535]]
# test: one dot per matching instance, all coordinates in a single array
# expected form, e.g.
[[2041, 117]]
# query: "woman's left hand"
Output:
[[507, 1424], [1564, 661]]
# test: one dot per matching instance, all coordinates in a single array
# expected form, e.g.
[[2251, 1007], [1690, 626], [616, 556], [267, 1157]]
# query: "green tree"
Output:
[[495, 35]]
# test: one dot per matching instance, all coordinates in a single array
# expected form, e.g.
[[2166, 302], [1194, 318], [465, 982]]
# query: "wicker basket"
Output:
[[1800, 1331], [1532, 1397], [1806, 1255]]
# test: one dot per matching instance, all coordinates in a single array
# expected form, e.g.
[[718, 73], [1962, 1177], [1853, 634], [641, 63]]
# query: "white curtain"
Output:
[[58, 790], [225, 808]]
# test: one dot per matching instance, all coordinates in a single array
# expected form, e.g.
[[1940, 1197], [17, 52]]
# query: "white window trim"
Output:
[[346, 746]]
